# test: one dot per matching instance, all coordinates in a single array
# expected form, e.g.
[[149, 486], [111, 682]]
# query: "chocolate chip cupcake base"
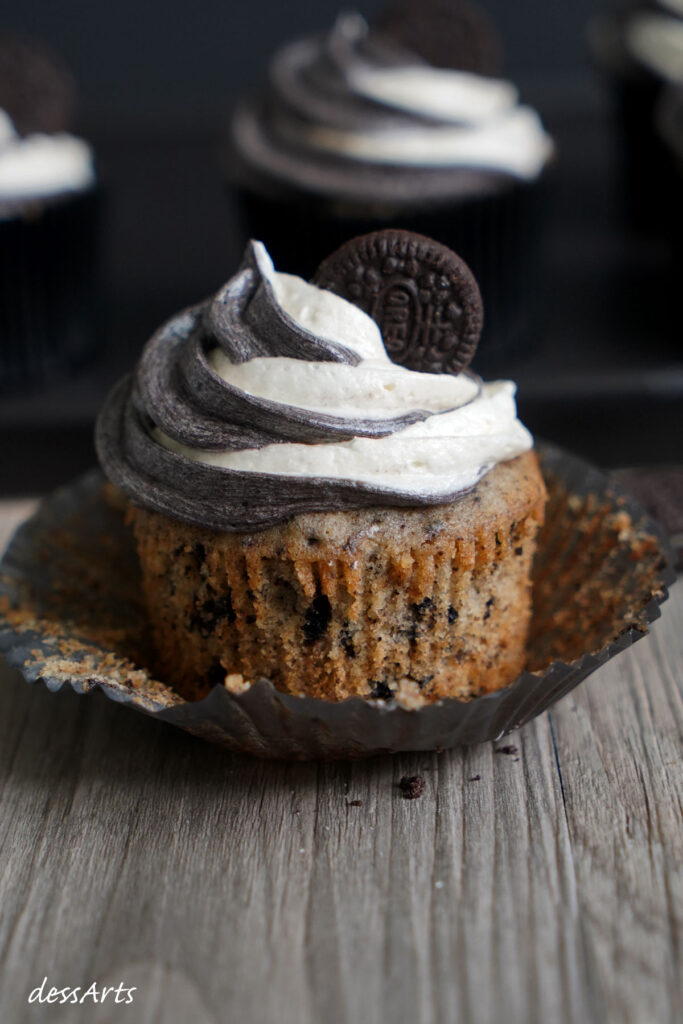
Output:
[[71, 613], [426, 603]]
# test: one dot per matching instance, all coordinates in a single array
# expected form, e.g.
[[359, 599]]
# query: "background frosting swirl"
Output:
[[39, 165], [356, 97], [276, 397]]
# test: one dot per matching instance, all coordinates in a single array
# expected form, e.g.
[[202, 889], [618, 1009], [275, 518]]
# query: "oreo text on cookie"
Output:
[[424, 297]]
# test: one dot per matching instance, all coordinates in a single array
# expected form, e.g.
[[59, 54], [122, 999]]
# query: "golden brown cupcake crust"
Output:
[[414, 603]]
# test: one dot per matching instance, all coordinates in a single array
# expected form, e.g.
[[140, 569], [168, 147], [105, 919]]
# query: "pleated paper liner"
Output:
[[71, 612]]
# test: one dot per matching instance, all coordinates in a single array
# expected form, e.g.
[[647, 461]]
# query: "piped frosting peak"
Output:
[[276, 397]]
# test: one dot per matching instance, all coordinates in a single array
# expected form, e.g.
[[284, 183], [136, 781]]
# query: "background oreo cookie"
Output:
[[424, 297], [36, 87], [445, 33]]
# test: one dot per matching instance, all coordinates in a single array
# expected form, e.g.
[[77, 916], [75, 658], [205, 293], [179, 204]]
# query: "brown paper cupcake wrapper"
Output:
[[71, 612]]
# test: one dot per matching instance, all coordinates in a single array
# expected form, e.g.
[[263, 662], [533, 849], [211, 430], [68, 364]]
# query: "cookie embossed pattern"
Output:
[[421, 294]]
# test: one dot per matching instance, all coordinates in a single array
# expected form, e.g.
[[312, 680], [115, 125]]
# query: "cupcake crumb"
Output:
[[412, 786], [475, 778], [506, 750], [236, 683], [409, 695], [354, 803], [380, 691]]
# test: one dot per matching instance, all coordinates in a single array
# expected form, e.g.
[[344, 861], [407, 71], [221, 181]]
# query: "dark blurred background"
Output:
[[157, 82], [178, 63]]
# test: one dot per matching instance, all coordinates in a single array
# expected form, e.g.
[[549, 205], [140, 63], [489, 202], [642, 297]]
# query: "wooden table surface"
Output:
[[542, 886]]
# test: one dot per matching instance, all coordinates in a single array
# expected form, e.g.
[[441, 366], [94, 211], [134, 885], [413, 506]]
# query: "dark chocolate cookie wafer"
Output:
[[36, 87], [423, 296], [446, 33]]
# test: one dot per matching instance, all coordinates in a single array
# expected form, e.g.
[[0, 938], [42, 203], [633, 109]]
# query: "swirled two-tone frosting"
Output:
[[276, 397], [654, 39], [41, 165], [646, 36], [354, 100]]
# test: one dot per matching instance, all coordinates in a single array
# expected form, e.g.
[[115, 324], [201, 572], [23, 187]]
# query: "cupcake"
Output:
[[355, 131], [48, 222], [640, 48], [310, 512]]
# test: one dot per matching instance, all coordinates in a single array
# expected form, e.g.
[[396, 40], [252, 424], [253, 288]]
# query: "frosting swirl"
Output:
[[39, 165], [655, 41], [276, 397], [645, 37], [354, 98]]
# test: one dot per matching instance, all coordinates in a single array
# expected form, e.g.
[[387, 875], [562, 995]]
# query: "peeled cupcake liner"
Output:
[[499, 234], [48, 286], [71, 612]]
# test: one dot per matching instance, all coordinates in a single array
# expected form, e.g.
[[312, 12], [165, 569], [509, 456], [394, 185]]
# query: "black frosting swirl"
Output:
[[176, 391], [310, 84]]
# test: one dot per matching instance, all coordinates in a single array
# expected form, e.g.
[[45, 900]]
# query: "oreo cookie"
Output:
[[424, 297], [36, 88], [446, 33]]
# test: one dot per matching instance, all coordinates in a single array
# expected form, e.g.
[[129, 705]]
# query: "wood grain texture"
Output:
[[539, 886]]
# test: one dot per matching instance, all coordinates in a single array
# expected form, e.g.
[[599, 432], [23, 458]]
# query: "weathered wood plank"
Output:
[[547, 889], [620, 763]]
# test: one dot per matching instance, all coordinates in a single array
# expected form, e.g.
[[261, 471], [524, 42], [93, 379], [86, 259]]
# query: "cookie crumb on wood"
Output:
[[412, 786]]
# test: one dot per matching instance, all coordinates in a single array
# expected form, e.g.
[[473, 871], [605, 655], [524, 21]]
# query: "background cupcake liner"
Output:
[[498, 235], [669, 123], [71, 612], [648, 183], [48, 287], [649, 187]]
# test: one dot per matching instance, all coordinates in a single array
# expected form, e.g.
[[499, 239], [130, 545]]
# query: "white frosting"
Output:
[[7, 132], [515, 143], [485, 125], [657, 42], [441, 455], [466, 435], [676, 6], [457, 96], [42, 165], [375, 388], [323, 313]]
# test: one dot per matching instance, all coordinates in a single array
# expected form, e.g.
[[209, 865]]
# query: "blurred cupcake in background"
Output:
[[669, 125], [640, 48], [400, 124], [49, 206]]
